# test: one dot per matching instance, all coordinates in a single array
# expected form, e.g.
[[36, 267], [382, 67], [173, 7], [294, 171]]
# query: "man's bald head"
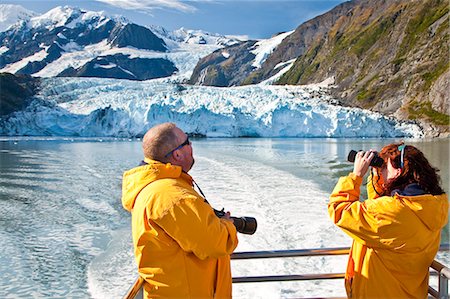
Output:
[[160, 140]]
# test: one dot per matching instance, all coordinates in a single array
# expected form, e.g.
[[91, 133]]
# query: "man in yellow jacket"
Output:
[[181, 247], [396, 232]]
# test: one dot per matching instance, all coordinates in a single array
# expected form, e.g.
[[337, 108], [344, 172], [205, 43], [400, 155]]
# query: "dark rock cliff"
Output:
[[122, 67], [225, 67], [16, 92], [136, 36]]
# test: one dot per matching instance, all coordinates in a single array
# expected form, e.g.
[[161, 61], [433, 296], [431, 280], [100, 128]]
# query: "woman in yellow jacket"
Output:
[[396, 231]]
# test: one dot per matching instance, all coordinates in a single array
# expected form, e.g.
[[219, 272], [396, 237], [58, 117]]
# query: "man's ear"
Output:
[[177, 155], [398, 171]]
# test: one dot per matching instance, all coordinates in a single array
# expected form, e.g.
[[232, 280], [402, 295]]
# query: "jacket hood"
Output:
[[432, 210], [136, 179]]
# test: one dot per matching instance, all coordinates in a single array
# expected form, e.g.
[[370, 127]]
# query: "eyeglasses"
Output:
[[401, 148], [187, 142]]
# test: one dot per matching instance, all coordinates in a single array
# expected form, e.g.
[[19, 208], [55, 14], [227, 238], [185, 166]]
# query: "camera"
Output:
[[244, 225], [375, 162]]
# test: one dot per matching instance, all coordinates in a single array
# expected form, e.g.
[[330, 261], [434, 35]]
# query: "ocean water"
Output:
[[65, 234]]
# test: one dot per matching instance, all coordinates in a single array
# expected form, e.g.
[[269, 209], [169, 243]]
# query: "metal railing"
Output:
[[440, 270]]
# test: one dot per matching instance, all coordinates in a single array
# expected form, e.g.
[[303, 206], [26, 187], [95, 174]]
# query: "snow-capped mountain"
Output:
[[216, 69], [124, 108], [11, 14], [189, 36], [68, 41]]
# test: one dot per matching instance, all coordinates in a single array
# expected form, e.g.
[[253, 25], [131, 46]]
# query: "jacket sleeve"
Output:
[[194, 226], [353, 217]]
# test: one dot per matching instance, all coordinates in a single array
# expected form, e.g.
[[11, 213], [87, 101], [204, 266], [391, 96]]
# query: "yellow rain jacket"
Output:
[[395, 239], [182, 248]]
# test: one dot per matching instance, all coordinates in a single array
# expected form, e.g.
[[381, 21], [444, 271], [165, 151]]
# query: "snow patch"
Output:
[[14, 67], [71, 47], [75, 57], [328, 82], [108, 66], [60, 35], [287, 66], [265, 47], [3, 49], [55, 17]]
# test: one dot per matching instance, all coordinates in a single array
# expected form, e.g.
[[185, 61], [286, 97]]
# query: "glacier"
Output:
[[96, 107]]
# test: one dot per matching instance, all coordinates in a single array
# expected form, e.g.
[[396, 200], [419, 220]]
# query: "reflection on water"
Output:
[[62, 217]]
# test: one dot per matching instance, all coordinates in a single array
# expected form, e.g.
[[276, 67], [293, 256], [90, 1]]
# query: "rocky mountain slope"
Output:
[[386, 56], [225, 68]]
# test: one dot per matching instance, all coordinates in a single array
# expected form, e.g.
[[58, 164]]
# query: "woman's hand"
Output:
[[362, 162]]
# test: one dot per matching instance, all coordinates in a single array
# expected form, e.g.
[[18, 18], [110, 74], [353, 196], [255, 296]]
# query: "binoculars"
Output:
[[244, 225], [375, 162]]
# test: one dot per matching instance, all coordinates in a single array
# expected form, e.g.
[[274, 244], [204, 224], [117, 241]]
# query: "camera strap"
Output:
[[217, 212], [373, 185], [199, 189]]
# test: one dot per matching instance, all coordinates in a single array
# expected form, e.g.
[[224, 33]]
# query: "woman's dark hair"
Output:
[[416, 169]]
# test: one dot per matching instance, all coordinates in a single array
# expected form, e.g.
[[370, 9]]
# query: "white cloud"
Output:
[[148, 6]]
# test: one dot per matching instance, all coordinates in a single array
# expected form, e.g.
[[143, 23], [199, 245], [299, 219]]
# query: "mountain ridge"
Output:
[[386, 56], [68, 41]]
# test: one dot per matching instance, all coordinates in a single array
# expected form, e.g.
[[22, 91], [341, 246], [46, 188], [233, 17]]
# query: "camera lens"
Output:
[[245, 225]]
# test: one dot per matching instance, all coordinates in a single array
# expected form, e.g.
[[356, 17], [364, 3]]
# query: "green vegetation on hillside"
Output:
[[253, 78], [419, 110], [363, 41], [431, 11], [367, 93], [431, 76], [370, 93], [359, 38], [304, 67]]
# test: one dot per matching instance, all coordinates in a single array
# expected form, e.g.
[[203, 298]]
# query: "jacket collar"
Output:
[[413, 189]]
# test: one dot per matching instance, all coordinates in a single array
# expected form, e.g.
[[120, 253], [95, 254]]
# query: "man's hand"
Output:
[[228, 216]]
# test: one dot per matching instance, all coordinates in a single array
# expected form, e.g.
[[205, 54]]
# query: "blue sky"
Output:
[[253, 18]]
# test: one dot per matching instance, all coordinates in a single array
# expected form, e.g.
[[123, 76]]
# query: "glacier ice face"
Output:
[[122, 108]]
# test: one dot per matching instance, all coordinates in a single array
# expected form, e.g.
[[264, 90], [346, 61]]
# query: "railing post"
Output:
[[136, 290], [443, 274], [443, 283]]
